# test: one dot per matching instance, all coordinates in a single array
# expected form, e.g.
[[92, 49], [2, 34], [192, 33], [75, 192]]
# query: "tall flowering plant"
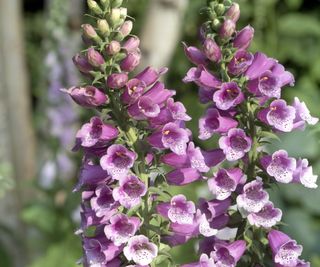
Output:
[[136, 145]]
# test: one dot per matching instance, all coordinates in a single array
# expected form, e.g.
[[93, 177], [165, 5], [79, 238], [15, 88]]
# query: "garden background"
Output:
[[38, 211]]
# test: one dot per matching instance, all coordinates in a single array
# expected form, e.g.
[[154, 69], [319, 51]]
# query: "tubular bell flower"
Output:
[[302, 115], [235, 145], [212, 50], [240, 62], [244, 38], [130, 191], [304, 174], [228, 96], [267, 217], [118, 161], [140, 250]]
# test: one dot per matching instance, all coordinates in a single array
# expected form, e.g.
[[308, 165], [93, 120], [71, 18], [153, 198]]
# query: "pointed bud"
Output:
[[117, 80], [95, 58], [89, 31], [113, 48], [216, 24], [132, 44], [244, 38], [94, 7], [103, 27], [227, 29], [233, 12], [212, 50], [130, 62], [219, 9], [114, 17], [82, 63], [105, 3], [116, 3], [126, 28]]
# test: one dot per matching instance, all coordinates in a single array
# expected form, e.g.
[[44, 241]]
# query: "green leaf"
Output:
[[269, 135]]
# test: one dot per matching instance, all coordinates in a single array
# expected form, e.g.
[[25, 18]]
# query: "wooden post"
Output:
[[16, 132]]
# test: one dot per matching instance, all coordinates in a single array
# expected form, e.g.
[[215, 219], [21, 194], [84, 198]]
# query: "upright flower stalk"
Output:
[[244, 106]]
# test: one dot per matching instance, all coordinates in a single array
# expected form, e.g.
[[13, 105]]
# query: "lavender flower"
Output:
[[267, 217], [228, 96], [304, 174]]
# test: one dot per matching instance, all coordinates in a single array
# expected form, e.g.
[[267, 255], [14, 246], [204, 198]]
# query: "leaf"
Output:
[[270, 135]]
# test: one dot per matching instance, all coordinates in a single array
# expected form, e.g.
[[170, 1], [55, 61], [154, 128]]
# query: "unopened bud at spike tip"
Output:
[[113, 48], [233, 12], [89, 31], [94, 7], [227, 29], [115, 17], [219, 9], [95, 58], [103, 27], [116, 3], [126, 28], [105, 3]]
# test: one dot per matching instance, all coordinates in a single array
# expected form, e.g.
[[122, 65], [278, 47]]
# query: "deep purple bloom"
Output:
[[130, 191], [131, 44], [172, 137], [96, 133], [213, 122], [253, 198], [205, 261], [118, 161], [117, 80], [159, 94], [244, 38], [240, 62], [279, 115], [224, 182], [133, 90], [131, 61], [304, 174], [235, 145], [233, 12], [121, 228], [285, 250], [183, 176], [212, 50], [150, 75], [202, 77], [302, 115], [196, 56], [177, 110], [228, 254], [144, 108], [82, 63], [228, 96], [261, 63], [88, 97], [227, 29], [267, 217], [95, 58], [280, 166], [140, 250]]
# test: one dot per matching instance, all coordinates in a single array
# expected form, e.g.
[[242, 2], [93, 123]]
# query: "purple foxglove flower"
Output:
[[202, 77], [267, 217], [228, 96], [235, 145], [129, 192], [99, 251], [95, 58], [126, 28], [233, 12], [150, 75], [113, 48], [118, 161], [121, 228], [133, 91], [140, 250], [213, 157], [205, 261], [243, 38], [144, 108], [131, 61], [285, 250], [285, 77], [183, 176], [171, 137], [177, 110], [301, 263], [159, 94], [228, 254], [280, 166], [240, 62], [82, 63], [117, 80], [227, 29], [89, 217], [96, 133], [224, 182], [213, 122], [304, 174], [261, 63], [205, 95], [88, 97], [132, 44], [253, 198], [212, 50], [302, 115], [103, 202], [214, 208], [196, 56], [279, 115]]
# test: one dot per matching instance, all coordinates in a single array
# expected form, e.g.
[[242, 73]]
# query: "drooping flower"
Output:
[[121, 228], [212, 50], [228, 96], [118, 161], [195, 55], [304, 174], [253, 198], [243, 38], [235, 145], [280, 166], [202, 77], [240, 62], [130, 191], [224, 182], [267, 217], [303, 115], [140, 250], [204, 261]]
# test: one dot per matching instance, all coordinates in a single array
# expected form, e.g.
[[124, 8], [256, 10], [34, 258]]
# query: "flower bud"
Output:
[[123, 12], [116, 3], [126, 28], [103, 27], [105, 3], [132, 44], [219, 9], [95, 58], [117, 80], [115, 17], [82, 63], [94, 7], [216, 24], [131, 61], [233, 12], [113, 48], [227, 29], [212, 50], [244, 38], [89, 31]]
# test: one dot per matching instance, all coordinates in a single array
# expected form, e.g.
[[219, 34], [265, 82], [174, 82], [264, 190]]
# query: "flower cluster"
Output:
[[242, 92]]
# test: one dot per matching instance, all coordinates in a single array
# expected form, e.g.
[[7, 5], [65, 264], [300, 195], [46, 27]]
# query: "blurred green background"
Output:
[[288, 30]]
